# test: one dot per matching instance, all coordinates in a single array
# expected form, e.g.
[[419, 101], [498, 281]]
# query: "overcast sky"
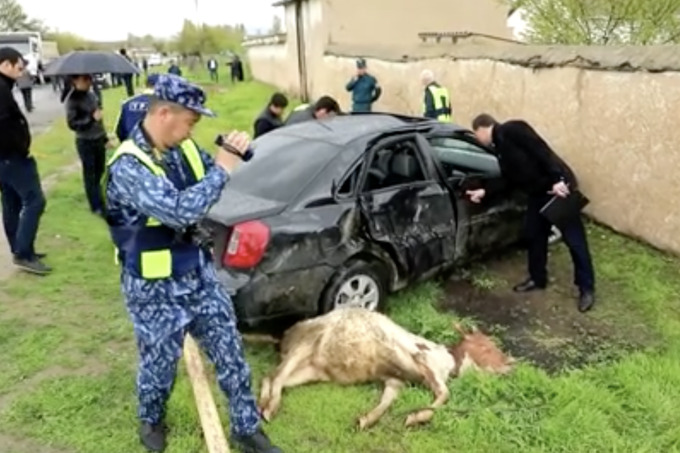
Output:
[[111, 20]]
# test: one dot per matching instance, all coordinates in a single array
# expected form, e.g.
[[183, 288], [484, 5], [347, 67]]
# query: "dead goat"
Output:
[[354, 345]]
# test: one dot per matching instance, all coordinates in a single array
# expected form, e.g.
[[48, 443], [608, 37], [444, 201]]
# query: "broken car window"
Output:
[[393, 165]]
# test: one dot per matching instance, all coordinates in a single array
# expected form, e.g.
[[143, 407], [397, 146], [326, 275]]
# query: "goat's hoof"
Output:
[[266, 414], [411, 420], [362, 423]]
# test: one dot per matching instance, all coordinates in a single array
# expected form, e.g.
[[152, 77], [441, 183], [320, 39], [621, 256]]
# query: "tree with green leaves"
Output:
[[600, 22], [208, 40], [14, 18]]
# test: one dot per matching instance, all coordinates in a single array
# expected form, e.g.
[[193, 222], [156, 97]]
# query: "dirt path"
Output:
[[47, 110]]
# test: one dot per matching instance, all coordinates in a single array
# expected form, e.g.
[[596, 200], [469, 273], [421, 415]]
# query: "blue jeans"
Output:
[[23, 203]]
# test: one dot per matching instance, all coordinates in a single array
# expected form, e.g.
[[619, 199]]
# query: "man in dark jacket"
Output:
[[364, 88], [23, 201], [324, 107], [127, 78], [528, 163], [84, 117], [174, 69], [236, 66], [270, 118]]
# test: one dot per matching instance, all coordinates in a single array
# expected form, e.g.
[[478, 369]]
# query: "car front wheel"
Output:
[[357, 284]]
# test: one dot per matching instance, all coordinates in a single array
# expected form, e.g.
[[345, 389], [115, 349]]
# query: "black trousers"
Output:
[[574, 236], [92, 153], [27, 94], [127, 80]]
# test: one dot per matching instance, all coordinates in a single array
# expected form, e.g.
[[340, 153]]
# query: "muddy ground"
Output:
[[543, 327]]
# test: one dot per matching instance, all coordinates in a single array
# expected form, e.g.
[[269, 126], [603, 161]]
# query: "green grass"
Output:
[[68, 356]]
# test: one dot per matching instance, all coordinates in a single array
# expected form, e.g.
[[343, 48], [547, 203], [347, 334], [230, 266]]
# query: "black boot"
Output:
[[586, 301], [527, 286], [256, 443], [153, 436]]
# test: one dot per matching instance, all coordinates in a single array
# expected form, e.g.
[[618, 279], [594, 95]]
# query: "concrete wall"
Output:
[[274, 59], [601, 109], [398, 22]]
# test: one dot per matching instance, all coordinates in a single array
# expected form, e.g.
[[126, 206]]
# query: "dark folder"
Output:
[[560, 210]]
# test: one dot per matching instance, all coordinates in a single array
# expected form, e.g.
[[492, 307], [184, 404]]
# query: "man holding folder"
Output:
[[528, 163]]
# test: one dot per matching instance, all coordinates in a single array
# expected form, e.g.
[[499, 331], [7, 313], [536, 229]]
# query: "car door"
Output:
[[405, 207], [492, 224]]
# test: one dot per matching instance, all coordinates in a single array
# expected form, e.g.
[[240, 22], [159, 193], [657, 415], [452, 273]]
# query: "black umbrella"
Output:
[[90, 62]]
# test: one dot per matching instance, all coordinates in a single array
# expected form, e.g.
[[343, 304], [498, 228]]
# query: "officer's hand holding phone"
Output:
[[232, 149]]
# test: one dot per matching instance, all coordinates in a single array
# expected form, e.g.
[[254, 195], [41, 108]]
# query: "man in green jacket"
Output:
[[364, 88]]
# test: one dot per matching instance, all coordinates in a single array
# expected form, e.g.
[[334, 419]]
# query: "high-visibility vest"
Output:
[[442, 102], [149, 249]]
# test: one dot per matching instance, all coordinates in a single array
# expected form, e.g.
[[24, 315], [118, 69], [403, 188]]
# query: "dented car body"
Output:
[[346, 210]]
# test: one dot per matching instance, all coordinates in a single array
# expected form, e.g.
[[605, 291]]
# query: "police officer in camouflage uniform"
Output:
[[158, 186]]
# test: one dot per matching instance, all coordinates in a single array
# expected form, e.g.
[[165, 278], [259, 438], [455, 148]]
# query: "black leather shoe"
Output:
[[527, 286], [153, 436], [586, 301], [256, 443]]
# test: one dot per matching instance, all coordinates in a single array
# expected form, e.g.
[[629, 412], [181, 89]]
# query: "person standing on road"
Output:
[[212, 68], [23, 201], [270, 118], [528, 163], [133, 110], [364, 88], [25, 85], [159, 186], [84, 116], [437, 100]]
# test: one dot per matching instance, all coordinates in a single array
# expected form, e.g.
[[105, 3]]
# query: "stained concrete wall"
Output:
[[610, 112], [398, 22]]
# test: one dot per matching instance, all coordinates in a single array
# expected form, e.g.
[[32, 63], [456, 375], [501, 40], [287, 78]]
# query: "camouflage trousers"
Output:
[[211, 321]]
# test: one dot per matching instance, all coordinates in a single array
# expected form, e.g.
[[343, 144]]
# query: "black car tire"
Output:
[[350, 271]]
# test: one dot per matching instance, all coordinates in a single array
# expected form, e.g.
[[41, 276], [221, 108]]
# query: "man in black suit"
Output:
[[528, 163]]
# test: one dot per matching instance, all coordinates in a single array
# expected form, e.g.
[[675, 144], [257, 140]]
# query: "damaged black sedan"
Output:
[[342, 212]]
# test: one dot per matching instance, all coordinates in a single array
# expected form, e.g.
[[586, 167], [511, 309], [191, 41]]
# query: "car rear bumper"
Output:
[[258, 297]]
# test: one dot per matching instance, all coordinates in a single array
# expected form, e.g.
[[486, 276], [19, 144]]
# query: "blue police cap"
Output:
[[175, 89]]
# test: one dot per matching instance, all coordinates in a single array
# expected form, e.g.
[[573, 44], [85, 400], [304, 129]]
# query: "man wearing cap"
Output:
[[159, 185], [364, 88], [133, 110]]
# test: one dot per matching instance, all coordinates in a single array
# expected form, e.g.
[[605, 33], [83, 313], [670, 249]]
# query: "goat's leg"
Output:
[[438, 386], [301, 375], [390, 393], [265, 390], [289, 363]]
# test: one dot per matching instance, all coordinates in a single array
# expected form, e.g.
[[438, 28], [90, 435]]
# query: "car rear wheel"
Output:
[[357, 284]]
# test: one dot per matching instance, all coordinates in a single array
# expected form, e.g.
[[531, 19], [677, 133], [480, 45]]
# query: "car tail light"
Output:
[[246, 246]]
